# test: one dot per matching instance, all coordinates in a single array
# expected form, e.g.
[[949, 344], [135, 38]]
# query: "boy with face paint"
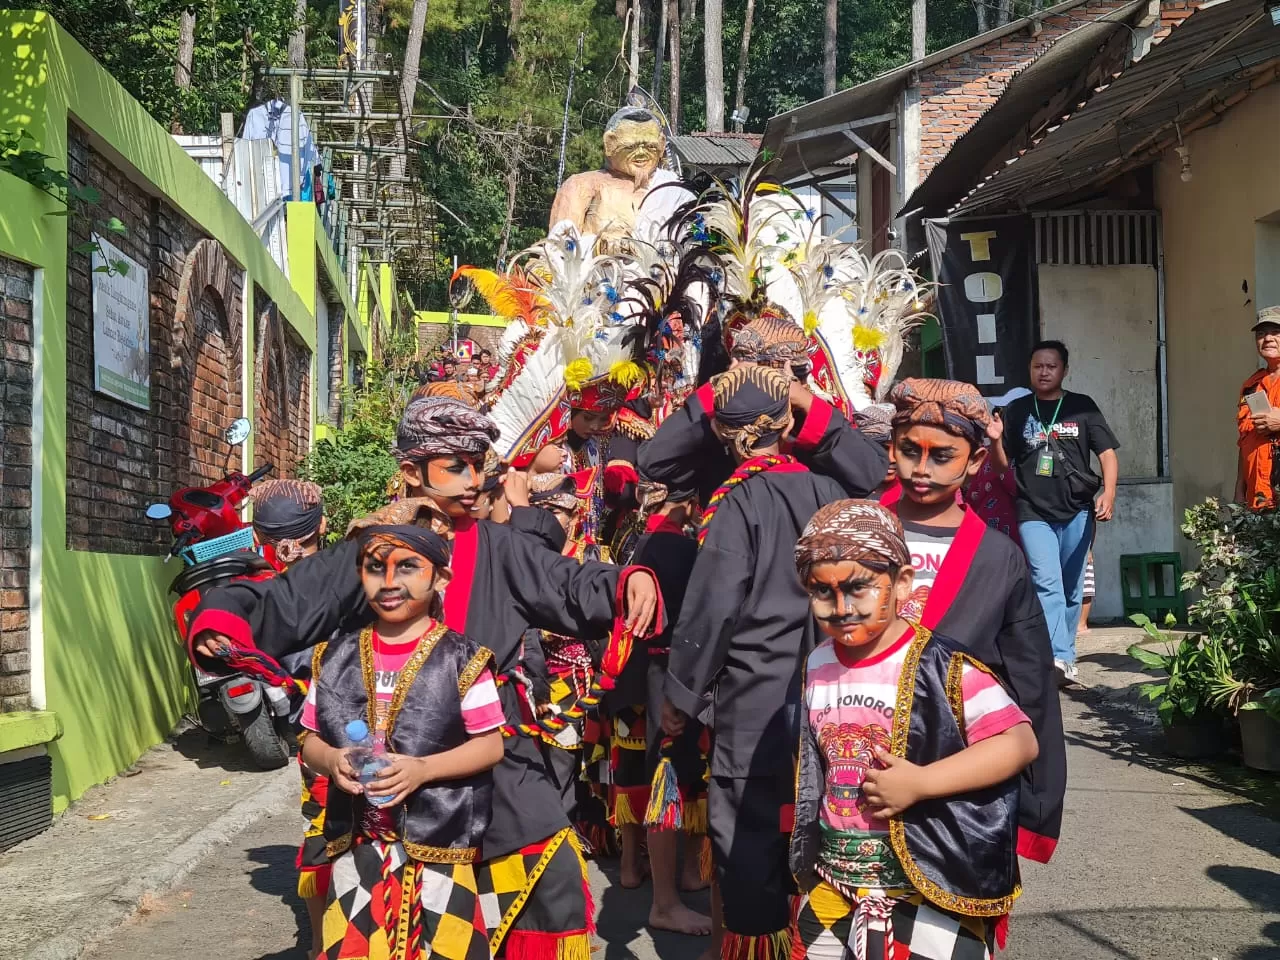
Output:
[[288, 522], [909, 759], [972, 583], [428, 696], [504, 582], [738, 651]]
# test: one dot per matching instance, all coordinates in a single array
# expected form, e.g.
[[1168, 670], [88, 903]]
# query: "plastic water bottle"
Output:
[[367, 755]]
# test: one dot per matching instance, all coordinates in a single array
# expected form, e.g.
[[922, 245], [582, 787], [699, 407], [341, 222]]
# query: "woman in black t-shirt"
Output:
[[1049, 438]]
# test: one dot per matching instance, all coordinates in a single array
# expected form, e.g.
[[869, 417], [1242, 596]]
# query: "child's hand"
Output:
[[895, 788], [342, 773], [401, 778]]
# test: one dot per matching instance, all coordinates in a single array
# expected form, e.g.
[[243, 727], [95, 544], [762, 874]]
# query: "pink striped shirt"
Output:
[[850, 709]]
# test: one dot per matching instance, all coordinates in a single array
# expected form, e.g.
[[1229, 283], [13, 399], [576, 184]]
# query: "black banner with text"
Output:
[[986, 273]]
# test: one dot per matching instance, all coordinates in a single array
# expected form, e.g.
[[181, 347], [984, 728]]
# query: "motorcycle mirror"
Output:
[[159, 511], [238, 432]]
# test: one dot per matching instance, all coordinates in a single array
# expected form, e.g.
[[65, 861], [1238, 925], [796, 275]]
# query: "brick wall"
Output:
[[121, 458], [282, 367], [954, 94], [15, 485]]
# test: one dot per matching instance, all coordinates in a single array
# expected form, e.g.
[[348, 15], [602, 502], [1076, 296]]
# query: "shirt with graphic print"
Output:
[[928, 547], [850, 706], [1079, 429]]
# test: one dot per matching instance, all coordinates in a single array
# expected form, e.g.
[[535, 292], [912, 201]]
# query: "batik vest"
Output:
[[442, 822], [959, 852]]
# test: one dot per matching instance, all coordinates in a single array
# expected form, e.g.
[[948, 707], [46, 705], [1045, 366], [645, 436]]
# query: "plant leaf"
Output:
[[1149, 658]]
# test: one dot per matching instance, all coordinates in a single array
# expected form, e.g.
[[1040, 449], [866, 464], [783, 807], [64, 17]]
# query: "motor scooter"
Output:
[[217, 546]]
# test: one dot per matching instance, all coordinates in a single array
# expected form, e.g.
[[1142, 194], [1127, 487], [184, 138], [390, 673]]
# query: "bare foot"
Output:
[[692, 881], [632, 876], [680, 919]]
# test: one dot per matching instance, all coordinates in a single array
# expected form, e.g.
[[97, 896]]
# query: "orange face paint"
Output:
[[853, 604]]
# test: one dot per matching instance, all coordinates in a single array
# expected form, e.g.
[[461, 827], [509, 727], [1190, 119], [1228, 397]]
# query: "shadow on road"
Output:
[[206, 750], [278, 877], [623, 914], [1119, 734]]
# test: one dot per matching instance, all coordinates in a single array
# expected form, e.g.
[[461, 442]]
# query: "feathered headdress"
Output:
[[672, 287], [585, 344], [856, 311]]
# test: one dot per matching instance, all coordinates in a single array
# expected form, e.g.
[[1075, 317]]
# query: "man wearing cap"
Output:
[[1259, 424]]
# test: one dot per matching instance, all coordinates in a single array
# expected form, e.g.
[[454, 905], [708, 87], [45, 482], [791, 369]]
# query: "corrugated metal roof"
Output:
[[717, 150], [1211, 56], [873, 98], [1038, 94]]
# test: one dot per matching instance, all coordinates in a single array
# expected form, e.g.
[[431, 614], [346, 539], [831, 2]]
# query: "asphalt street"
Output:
[[1155, 862]]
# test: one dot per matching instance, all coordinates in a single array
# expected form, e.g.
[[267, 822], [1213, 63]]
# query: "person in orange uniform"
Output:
[[1259, 427]]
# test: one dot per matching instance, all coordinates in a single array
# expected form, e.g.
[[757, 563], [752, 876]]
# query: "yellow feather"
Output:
[[497, 291], [867, 339], [810, 322], [576, 373], [626, 373]]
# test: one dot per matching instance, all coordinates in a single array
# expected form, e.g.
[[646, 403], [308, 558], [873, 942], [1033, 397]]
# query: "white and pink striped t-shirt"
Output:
[[850, 707]]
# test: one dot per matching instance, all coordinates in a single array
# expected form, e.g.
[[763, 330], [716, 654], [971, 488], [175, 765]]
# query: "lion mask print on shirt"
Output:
[[850, 751]]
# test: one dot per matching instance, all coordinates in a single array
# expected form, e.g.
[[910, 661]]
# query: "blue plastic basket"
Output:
[[208, 549]]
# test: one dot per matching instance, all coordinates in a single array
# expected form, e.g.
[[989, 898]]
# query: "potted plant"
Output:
[[1239, 610], [1193, 726]]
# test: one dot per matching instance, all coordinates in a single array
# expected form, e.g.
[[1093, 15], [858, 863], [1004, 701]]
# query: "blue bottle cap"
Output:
[[357, 730]]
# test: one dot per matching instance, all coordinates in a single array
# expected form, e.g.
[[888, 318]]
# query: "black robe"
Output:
[[745, 629], [503, 583], [684, 452], [983, 597]]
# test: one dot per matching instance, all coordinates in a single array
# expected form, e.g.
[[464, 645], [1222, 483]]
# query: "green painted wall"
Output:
[[475, 319], [104, 653]]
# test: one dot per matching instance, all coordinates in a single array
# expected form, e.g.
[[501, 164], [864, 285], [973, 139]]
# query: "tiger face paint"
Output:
[[932, 464], [855, 604]]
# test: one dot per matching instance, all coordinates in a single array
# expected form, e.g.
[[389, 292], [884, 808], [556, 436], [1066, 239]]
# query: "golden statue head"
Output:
[[634, 144]]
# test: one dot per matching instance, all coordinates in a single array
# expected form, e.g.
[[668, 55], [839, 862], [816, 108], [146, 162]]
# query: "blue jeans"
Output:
[[1057, 553]]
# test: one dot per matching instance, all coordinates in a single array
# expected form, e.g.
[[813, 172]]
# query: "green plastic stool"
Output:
[[1142, 585]]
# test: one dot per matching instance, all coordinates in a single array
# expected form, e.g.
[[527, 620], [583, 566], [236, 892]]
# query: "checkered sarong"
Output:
[[382, 904], [826, 926], [313, 856], [539, 894]]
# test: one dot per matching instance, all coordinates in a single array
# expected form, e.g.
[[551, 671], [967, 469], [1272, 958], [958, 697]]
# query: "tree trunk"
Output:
[[740, 94], [620, 8], [182, 64], [660, 49], [673, 112], [298, 39], [980, 7], [633, 59], [919, 38], [1003, 11], [409, 79], [829, 24], [713, 63], [513, 187], [513, 26]]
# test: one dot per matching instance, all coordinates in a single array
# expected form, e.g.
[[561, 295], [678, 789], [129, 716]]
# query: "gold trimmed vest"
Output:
[[444, 821], [959, 852]]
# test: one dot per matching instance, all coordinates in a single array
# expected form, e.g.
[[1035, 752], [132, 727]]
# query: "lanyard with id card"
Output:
[[1044, 460]]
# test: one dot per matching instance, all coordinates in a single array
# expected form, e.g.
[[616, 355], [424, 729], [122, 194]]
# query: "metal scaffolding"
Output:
[[357, 123]]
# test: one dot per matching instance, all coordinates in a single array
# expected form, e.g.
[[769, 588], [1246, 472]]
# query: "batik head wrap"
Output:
[[442, 427], [492, 470], [858, 530], [554, 490], [452, 389], [380, 539], [955, 407], [286, 513], [415, 512], [753, 406], [876, 422], [769, 338]]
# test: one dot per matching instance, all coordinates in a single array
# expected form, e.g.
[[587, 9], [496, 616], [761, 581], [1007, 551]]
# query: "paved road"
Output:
[[1156, 862]]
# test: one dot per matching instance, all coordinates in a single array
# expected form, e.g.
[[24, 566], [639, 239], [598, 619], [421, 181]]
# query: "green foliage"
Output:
[[1239, 604], [1193, 669], [355, 465], [137, 42]]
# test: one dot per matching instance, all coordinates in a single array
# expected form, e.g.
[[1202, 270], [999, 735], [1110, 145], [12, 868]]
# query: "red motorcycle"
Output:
[[217, 546]]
